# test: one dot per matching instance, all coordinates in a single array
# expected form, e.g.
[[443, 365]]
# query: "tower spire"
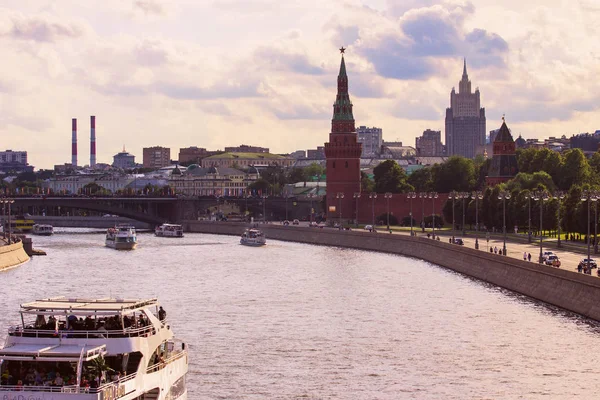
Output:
[[465, 76]]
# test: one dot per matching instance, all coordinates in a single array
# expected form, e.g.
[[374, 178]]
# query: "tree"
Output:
[[421, 180], [390, 177], [575, 170], [314, 169], [92, 188], [366, 184], [457, 173], [296, 174], [260, 185]]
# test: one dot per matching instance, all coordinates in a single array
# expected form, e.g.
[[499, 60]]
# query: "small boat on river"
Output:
[[43, 230], [169, 230], [93, 349], [121, 237], [253, 237]]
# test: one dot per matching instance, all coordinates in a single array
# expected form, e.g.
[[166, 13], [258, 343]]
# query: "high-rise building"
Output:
[[371, 139], [156, 157], [316, 154], [343, 154], [14, 161], [193, 154], [465, 121], [430, 144]]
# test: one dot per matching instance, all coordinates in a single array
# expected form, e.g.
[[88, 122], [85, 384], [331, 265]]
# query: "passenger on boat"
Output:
[[162, 314], [40, 321]]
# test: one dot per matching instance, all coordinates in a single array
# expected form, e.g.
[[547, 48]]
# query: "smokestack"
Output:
[[92, 140], [74, 142]]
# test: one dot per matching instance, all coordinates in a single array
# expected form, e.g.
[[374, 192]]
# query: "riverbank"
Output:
[[566, 289], [12, 255]]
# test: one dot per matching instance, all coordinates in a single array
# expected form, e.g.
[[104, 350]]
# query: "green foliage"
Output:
[[421, 180], [382, 219], [390, 177], [314, 169], [457, 173], [575, 170], [366, 184], [260, 184]]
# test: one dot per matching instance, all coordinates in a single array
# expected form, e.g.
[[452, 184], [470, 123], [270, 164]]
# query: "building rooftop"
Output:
[[245, 155]]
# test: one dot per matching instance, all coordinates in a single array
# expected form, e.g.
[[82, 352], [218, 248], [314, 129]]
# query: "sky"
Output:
[[216, 73]]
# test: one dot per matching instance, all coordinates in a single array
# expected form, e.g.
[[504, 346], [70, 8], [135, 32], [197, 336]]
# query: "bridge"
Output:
[[157, 210]]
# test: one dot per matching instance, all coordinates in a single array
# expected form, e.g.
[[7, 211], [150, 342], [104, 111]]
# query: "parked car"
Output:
[[553, 260], [369, 228], [313, 225], [459, 241], [286, 222], [584, 263], [295, 222], [547, 254]]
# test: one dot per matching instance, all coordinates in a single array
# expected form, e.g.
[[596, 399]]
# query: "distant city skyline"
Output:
[[214, 74]]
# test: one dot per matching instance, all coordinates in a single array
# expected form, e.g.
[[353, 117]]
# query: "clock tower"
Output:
[[342, 153]]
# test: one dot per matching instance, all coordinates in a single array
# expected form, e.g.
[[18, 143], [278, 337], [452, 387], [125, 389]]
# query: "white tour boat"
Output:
[[169, 230], [43, 229], [121, 237], [253, 237], [92, 349]]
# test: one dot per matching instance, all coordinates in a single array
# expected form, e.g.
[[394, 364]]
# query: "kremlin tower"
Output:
[[342, 153]]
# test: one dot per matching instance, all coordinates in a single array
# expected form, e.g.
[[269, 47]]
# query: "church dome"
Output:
[[192, 166]]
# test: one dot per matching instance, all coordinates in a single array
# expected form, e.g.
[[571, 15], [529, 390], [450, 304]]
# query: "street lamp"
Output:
[[411, 196], [433, 196], [373, 196], [286, 207], [340, 196], [463, 196], [596, 225], [356, 196], [311, 196], [388, 196], [453, 195], [529, 196], [477, 195], [264, 197], [423, 196], [559, 195], [541, 195], [504, 195], [589, 196], [9, 202]]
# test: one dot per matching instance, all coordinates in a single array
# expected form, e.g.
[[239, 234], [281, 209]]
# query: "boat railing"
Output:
[[109, 390], [143, 331], [174, 357]]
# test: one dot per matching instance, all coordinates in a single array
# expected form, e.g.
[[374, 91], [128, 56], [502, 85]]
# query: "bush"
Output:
[[382, 219]]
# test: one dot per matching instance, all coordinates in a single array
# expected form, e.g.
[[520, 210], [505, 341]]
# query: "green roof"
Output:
[[245, 155]]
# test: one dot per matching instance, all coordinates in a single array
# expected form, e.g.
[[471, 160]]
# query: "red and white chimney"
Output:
[[74, 142], [92, 140]]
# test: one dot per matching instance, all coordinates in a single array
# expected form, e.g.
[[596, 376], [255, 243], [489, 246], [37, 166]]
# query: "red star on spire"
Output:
[[342, 49]]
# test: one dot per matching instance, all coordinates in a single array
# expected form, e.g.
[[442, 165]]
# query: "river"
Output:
[[290, 320]]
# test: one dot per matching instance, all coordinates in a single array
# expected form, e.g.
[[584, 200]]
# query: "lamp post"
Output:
[[388, 196], [596, 225], [286, 207], [264, 201], [463, 196], [311, 196], [541, 195], [504, 195], [356, 196], [9, 202], [559, 195], [528, 196], [589, 196], [433, 196], [340, 196], [477, 195], [453, 195], [373, 196], [411, 196], [423, 196]]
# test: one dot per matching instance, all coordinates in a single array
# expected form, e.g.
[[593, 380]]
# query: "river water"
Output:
[[291, 321]]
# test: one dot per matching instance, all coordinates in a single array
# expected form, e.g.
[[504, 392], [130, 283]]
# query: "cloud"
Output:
[[301, 111], [150, 53], [149, 7], [38, 28], [424, 36], [229, 90], [274, 58], [345, 35]]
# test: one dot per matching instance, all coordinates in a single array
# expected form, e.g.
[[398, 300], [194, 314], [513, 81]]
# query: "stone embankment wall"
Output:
[[12, 255], [569, 290]]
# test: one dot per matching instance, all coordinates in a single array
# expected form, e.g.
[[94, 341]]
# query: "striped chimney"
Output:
[[74, 142], [92, 140]]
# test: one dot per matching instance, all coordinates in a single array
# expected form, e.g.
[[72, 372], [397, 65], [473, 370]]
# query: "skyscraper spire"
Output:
[[465, 76], [342, 109]]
